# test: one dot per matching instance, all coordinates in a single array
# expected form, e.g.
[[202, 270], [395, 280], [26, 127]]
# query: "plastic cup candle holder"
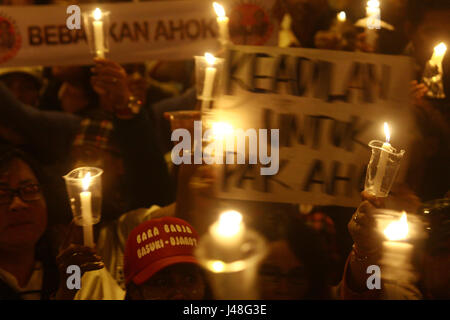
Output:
[[382, 169], [383, 166], [96, 24], [231, 253], [84, 188]]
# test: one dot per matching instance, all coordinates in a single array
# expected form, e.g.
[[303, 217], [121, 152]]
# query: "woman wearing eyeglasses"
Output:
[[28, 269]]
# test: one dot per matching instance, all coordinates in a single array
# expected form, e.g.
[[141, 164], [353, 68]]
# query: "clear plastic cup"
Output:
[[232, 271], [75, 187], [382, 168], [96, 26]]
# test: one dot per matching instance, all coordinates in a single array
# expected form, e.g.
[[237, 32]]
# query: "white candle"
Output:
[[86, 211], [396, 257], [373, 21], [382, 162], [341, 19], [222, 21], [229, 230], [98, 33], [208, 84]]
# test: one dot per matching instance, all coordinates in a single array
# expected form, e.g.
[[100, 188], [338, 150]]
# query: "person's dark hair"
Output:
[[416, 9], [44, 248], [308, 246]]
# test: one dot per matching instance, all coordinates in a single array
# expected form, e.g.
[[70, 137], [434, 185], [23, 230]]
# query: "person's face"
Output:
[[177, 282], [282, 276], [23, 87], [434, 29], [22, 223]]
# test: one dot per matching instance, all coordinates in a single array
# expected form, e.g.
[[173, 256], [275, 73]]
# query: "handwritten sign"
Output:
[[327, 105]]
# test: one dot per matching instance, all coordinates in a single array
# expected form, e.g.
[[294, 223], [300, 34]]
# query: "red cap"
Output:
[[156, 244]]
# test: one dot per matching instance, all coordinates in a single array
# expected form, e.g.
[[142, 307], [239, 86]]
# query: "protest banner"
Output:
[[38, 35], [327, 106]]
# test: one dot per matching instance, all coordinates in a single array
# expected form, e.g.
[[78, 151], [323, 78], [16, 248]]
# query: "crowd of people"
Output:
[[111, 116]]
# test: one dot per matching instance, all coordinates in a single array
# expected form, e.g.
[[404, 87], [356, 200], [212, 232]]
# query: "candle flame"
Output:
[[440, 50], [210, 59], [230, 223], [397, 230], [387, 132], [342, 16], [217, 266], [86, 181], [374, 4], [97, 14], [221, 130], [220, 11]]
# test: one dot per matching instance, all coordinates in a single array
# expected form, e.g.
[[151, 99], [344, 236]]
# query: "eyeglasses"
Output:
[[30, 192]]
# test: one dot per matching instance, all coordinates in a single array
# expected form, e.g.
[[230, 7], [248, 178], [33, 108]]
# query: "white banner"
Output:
[[328, 105], [38, 35]]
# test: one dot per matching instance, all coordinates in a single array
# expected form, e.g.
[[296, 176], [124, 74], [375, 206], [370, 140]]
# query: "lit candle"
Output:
[[342, 17], [373, 21], [341, 20], [438, 55], [396, 250], [382, 162], [228, 231], [86, 211], [222, 21], [98, 33], [208, 84]]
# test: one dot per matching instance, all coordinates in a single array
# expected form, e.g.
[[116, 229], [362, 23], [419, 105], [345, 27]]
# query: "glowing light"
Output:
[[220, 11], [230, 224], [221, 130], [97, 14], [397, 230], [440, 50], [210, 59], [342, 16], [387, 132], [217, 266], [373, 4], [86, 181]]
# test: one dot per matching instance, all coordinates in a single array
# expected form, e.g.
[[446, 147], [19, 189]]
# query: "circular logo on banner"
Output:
[[250, 24], [10, 39]]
